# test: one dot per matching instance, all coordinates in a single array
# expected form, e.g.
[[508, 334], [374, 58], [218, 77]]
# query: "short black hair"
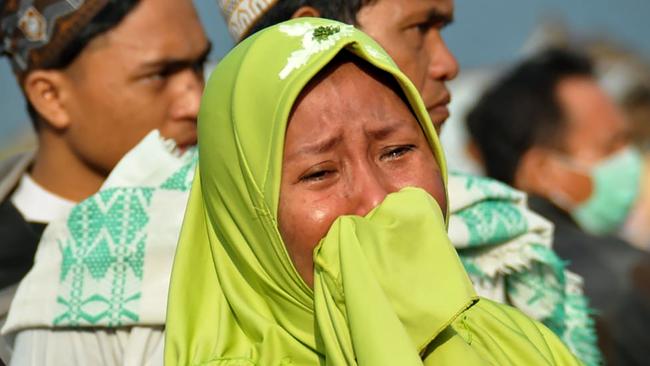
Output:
[[109, 17], [521, 110], [342, 10]]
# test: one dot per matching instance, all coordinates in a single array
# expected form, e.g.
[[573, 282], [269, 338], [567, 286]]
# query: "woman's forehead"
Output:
[[348, 98], [351, 89]]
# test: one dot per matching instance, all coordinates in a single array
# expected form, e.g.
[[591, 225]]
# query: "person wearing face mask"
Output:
[[329, 248], [549, 129]]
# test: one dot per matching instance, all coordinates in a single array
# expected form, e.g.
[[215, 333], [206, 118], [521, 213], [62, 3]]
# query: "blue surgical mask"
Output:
[[615, 181]]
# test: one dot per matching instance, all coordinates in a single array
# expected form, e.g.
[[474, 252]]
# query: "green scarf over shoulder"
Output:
[[389, 288]]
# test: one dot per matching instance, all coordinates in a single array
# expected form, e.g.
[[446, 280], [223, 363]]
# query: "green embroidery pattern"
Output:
[[538, 285], [472, 269], [103, 258], [323, 32], [544, 287], [182, 179], [314, 40], [579, 334], [486, 187], [492, 222]]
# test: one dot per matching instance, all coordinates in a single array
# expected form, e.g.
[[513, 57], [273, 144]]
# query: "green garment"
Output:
[[389, 288]]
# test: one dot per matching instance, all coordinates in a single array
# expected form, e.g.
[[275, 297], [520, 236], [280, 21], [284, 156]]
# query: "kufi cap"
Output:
[[33, 33], [241, 15]]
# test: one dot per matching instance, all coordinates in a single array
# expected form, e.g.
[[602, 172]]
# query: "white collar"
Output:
[[36, 204]]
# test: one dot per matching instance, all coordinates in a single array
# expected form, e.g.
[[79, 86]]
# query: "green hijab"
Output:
[[389, 288]]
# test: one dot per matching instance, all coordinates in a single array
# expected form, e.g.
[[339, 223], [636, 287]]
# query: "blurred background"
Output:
[[486, 37]]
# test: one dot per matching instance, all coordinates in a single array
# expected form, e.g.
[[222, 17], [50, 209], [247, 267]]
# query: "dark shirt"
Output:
[[18, 242], [610, 268]]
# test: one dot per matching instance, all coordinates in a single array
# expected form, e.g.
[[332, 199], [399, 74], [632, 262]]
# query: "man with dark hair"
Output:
[[98, 76], [524, 110], [505, 247], [409, 30], [549, 129]]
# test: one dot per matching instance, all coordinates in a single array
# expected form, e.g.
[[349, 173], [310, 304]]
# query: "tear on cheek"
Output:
[[319, 216]]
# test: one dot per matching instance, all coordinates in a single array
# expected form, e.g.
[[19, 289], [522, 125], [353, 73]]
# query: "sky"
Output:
[[484, 33]]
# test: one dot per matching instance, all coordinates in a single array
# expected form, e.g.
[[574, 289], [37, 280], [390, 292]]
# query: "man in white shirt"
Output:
[[97, 75]]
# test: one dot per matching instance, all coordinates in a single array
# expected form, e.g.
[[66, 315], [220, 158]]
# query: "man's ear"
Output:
[[47, 91], [306, 11], [534, 172]]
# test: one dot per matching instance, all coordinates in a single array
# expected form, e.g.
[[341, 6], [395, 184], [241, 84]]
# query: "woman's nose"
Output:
[[370, 190]]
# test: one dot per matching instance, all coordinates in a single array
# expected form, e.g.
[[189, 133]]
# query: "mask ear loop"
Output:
[[573, 164], [561, 200], [558, 197]]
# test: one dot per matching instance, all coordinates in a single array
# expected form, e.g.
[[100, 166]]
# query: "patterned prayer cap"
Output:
[[240, 15], [33, 33]]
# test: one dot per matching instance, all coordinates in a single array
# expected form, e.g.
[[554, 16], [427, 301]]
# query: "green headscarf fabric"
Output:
[[389, 288]]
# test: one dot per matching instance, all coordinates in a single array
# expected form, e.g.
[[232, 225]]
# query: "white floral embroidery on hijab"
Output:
[[377, 54], [315, 39]]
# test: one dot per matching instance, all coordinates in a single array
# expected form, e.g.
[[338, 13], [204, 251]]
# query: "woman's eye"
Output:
[[397, 152], [316, 176]]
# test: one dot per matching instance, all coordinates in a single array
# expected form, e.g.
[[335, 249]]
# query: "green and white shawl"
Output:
[[108, 263], [507, 251]]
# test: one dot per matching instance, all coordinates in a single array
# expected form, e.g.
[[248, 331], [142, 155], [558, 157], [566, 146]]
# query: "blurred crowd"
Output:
[[130, 236]]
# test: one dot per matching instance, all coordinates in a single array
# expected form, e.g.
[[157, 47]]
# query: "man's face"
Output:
[[410, 31], [595, 130], [144, 74]]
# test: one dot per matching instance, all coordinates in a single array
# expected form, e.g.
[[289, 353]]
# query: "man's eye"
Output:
[[423, 27], [158, 76], [199, 66], [436, 24], [397, 152]]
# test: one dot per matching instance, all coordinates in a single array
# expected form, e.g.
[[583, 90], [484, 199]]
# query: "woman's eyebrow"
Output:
[[327, 144], [384, 132], [318, 147]]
